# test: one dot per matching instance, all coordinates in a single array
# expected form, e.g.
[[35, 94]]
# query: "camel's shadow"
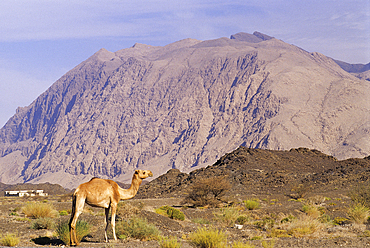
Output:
[[47, 241]]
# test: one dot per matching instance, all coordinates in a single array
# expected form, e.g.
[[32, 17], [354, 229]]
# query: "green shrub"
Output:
[[9, 240], [43, 223], [251, 204], [208, 238], [63, 212], [39, 210], [227, 216], [339, 220], [169, 243], [171, 212], [82, 230], [358, 213], [137, 228]]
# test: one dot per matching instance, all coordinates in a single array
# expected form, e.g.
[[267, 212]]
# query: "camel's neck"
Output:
[[131, 192]]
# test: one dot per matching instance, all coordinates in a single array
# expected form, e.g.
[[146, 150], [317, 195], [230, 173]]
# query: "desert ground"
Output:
[[257, 229]]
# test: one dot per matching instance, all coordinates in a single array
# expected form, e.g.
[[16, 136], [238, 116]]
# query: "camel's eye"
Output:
[[144, 172]]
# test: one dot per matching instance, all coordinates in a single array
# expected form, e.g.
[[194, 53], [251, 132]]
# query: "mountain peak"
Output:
[[256, 37]]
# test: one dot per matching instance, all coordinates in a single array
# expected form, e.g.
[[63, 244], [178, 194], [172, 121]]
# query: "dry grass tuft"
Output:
[[39, 210], [358, 213], [9, 240], [302, 226]]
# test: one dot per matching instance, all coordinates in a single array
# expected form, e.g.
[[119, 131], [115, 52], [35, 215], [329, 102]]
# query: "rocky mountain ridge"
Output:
[[183, 106], [263, 172]]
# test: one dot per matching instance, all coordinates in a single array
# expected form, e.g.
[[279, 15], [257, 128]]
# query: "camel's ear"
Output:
[[137, 172]]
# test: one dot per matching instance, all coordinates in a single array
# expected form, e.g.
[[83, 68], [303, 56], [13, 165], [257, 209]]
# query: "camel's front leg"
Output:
[[113, 220], [77, 209], [106, 223]]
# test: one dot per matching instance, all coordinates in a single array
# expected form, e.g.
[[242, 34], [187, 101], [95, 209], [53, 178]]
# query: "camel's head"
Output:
[[142, 174]]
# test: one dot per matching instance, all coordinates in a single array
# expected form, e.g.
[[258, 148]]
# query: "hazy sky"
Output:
[[42, 40]]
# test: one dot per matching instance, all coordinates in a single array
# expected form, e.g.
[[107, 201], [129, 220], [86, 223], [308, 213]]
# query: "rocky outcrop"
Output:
[[183, 106]]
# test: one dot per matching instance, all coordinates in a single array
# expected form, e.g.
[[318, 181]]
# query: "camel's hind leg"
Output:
[[106, 222], [77, 208], [113, 220]]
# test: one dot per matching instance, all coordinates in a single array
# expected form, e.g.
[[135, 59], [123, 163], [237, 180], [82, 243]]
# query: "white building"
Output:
[[21, 193]]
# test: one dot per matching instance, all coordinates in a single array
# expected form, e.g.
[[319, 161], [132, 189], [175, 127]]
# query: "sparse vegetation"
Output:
[[208, 192], [240, 244], [171, 212], [227, 216], [82, 230], [358, 213], [251, 204], [126, 210], [208, 238], [300, 190], [63, 212], [39, 210], [170, 242], [43, 223], [137, 228], [360, 194], [302, 226], [200, 221], [10, 239]]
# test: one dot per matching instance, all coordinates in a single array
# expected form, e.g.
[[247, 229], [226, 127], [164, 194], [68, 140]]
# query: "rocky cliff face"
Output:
[[181, 106]]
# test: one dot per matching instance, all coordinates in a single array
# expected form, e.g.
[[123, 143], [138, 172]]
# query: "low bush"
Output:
[[208, 191], [43, 223], [251, 204], [9, 240], [208, 238], [227, 216], [82, 230], [358, 213], [169, 243], [311, 210], [302, 226], [39, 210], [171, 212], [63, 212], [137, 228]]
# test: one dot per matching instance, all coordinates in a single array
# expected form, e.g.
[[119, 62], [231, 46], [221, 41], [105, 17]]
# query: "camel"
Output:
[[102, 193]]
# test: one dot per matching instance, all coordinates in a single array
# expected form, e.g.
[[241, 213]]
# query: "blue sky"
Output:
[[42, 40]]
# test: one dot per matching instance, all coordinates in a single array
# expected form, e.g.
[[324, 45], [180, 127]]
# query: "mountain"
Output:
[[184, 106], [361, 71], [259, 172]]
